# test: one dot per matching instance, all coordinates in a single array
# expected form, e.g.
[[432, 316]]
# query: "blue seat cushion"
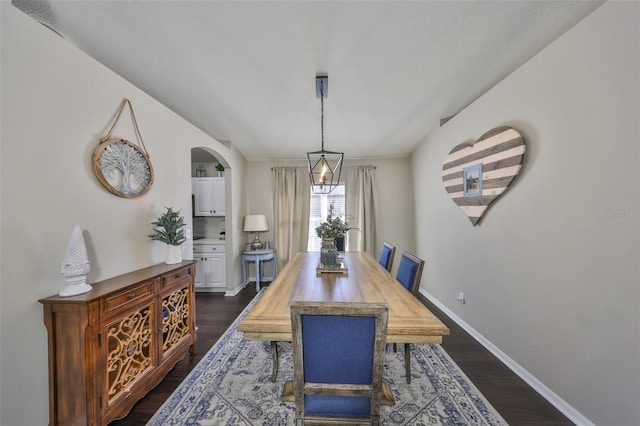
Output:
[[337, 406], [338, 350]]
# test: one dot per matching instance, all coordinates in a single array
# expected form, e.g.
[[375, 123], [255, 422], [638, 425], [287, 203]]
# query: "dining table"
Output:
[[360, 278]]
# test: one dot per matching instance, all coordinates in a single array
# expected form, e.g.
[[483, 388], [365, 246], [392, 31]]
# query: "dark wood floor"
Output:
[[516, 402]]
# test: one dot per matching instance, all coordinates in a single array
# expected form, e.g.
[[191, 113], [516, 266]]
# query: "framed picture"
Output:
[[472, 179]]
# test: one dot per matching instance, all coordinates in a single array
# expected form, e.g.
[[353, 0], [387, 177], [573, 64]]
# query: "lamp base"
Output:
[[256, 244]]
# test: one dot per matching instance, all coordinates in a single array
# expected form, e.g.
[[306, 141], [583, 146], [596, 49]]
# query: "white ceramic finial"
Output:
[[75, 266]]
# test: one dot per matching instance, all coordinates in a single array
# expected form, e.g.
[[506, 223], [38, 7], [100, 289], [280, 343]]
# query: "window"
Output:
[[318, 211]]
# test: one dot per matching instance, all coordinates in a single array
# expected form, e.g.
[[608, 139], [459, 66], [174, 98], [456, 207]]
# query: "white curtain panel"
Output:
[[290, 211], [361, 205]]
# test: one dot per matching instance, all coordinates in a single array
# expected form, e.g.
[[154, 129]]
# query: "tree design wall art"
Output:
[[122, 167]]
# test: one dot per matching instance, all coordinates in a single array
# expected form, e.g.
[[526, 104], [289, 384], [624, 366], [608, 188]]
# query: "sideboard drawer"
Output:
[[129, 296], [178, 275]]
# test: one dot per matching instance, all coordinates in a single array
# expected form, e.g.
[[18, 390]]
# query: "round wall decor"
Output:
[[123, 168]]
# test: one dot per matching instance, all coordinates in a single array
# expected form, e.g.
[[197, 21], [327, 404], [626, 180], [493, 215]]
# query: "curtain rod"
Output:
[[301, 167]]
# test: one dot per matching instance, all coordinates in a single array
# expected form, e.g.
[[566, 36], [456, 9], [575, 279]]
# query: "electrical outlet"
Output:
[[187, 233], [461, 298]]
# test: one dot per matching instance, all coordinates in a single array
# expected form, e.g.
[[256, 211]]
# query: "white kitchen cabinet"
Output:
[[209, 196], [211, 273]]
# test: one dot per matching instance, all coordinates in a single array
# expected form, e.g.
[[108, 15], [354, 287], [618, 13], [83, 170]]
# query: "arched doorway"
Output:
[[209, 187]]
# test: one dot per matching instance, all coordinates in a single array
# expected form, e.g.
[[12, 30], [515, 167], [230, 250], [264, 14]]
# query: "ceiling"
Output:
[[244, 72]]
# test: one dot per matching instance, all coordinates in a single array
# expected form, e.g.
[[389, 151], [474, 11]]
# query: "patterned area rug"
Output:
[[232, 386]]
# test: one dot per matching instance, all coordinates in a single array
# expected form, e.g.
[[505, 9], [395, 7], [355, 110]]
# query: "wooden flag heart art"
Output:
[[476, 175]]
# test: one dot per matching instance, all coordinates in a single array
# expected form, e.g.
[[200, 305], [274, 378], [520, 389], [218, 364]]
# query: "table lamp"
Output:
[[256, 223]]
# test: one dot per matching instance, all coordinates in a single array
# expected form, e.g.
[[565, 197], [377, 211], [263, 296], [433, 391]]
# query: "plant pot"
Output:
[[174, 254], [329, 253]]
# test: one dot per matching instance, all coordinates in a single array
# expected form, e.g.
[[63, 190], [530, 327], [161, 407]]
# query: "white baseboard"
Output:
[[210, 289], [235, 291], [529, 378]]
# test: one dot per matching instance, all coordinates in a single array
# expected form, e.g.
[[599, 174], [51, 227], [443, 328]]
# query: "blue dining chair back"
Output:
[[387, 255], [410, 272], [409, 275], [338, 356]]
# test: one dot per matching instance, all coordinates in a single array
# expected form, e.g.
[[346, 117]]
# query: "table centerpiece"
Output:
[[334, 227]]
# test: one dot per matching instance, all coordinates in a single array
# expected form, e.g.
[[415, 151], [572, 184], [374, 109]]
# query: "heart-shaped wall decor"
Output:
[[476, 175]]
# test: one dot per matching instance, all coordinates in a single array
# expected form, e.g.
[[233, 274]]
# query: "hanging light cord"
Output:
[[322, 113]]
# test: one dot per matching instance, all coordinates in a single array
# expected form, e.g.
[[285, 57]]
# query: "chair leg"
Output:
[[407, 361], [274, 356]]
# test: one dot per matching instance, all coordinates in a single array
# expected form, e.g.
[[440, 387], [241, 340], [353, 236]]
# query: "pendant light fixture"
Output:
[[324, 166]]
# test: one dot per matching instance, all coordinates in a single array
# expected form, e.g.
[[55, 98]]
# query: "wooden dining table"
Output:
[[364, 280]]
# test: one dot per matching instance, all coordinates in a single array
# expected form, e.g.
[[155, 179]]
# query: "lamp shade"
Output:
[[255, 223]]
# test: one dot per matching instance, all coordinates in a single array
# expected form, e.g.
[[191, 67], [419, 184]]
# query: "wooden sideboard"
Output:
[[110, 346]]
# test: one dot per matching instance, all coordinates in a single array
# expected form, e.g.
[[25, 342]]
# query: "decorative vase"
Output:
[[75, 266], [174, 254], [340, 243], [329, 253]]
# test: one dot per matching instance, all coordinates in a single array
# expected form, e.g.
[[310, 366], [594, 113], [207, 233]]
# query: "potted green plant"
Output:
[[334, 227], [168, 228], [220, 169], [332, 231]]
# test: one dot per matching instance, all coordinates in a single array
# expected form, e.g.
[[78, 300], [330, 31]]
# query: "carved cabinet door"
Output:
[[177, 317], [130, 352]]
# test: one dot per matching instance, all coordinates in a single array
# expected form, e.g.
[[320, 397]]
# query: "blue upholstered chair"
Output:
[[338, 357], [386, 257], [410, 272], [409, 275]]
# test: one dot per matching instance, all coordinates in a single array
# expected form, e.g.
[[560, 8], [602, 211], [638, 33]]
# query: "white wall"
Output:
[[56, 103], [395, 204], [551, 274]]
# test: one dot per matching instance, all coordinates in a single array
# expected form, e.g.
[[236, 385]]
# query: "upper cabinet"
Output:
[[209, 196]]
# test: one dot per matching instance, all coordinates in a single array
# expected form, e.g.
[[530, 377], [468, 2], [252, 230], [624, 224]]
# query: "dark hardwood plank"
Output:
[[511, 396], [516, 402]]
